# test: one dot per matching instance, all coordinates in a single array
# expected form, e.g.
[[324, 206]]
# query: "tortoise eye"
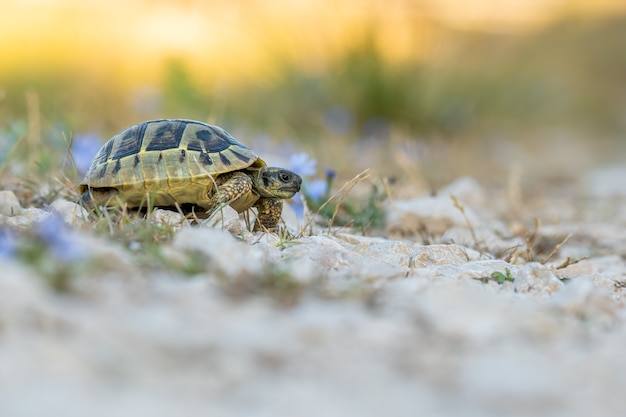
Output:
[[285, 177]]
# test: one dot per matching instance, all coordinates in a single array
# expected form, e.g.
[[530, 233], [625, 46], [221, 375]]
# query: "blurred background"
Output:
[[428, 88]]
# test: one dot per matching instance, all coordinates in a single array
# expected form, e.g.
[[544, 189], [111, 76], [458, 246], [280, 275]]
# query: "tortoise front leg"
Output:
[[270, 210], [236, 187]]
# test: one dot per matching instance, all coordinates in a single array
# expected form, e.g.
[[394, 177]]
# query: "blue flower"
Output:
[[60, 239], [297, 204], [84, 148], [316, 189], [8, 243], [302, 164]]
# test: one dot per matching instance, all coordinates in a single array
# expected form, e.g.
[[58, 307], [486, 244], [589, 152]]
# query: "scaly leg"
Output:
[[98, 197], [236, 187], [270, 210]]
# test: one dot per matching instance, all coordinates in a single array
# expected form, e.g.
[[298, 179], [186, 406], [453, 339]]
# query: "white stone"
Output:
[[107, 255], [586, 301], [9, 204], [168, 218], [464, 310], [27, 217], [424, 256], [19, 287], [72, 213], [476, 269], [613, 265], [466, 189], [430, 214], [392, 251], [606, 182], [330, 257], [224, 253], [486, 237], [536, 278], [225, 219]]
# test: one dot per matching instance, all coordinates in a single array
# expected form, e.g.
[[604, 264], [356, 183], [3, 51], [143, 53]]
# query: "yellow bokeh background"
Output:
[[127, 41]]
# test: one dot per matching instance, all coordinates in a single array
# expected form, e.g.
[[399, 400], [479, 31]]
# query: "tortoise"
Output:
[[176, 162]]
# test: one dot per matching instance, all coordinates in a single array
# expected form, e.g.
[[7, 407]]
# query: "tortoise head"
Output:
[[276, 182]]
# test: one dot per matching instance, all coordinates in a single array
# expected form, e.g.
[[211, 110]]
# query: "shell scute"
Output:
[[195, 146], [167, 135], [240, 156], [205, 159], [117, 167], [129, 144], [224, 159], [103, 154], [216, 141]]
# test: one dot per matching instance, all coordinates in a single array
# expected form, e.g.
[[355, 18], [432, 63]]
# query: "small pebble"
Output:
[[9, 204]]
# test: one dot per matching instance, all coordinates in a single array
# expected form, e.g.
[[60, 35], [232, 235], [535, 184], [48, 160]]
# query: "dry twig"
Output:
[[556, 249]]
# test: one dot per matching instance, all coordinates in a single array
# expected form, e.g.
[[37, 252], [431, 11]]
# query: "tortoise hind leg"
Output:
[[270, 211], [98, 197]]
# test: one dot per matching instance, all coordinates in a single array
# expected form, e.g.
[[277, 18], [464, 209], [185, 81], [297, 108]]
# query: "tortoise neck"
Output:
[[261, 181]]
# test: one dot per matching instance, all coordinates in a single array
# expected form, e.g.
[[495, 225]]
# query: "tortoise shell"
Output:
[[171, 161]]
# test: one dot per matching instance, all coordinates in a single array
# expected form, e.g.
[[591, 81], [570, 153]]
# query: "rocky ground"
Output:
[[464, 307]]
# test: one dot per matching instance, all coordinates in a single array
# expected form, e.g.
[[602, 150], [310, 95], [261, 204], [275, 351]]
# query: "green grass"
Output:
[[502, 277]]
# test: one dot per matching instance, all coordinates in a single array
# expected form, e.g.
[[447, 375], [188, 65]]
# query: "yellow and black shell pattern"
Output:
[[174, 160]]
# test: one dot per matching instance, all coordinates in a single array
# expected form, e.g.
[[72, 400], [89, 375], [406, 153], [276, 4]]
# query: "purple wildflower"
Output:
[[302, 164], [316, 189], [60, 239], [84, 148], [8, 243]]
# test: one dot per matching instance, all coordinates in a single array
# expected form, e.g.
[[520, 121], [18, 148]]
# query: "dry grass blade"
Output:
[[507, 254], [109, 221], [186, 217], [344, 191], [470, 226], [514, 190], [556, 249], [569, 261], [531, 240], [341, 194], [68, 188]]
